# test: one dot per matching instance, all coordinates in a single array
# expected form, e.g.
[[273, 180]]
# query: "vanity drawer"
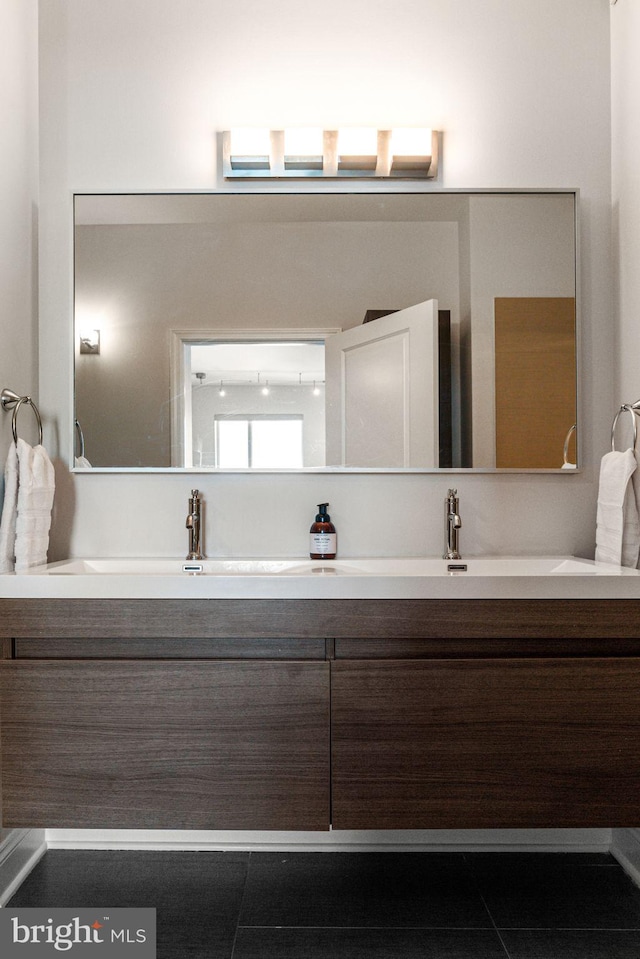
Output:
[[178, 745], [180, 648], [461, 647], [470, 744]]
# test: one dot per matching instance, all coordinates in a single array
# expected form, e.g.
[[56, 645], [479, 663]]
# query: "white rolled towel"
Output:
[[617, 523], [36, 488], [9, 512]]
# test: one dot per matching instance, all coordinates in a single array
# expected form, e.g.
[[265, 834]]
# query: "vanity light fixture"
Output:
[[90, 341], [356, 152]]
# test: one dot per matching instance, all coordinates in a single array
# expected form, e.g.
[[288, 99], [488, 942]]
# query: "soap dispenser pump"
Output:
[[322, 535]]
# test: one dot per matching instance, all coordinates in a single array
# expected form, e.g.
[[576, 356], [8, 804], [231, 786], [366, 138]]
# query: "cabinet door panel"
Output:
[[192, 745], [486, 743]]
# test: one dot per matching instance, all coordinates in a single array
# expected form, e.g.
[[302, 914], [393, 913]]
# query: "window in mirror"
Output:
[[258, 441]]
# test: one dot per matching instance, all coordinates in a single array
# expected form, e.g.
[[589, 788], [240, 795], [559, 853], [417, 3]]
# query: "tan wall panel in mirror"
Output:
[[161, 274], [535, 349]]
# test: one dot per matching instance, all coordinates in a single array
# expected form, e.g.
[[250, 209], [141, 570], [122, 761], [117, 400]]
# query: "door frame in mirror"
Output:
[[181, 376]]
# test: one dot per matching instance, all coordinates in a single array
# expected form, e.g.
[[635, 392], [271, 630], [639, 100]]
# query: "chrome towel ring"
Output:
[[11, 401], [632, 409]]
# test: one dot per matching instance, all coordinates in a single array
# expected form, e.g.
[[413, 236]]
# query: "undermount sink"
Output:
[[171, 567], [476, 577]]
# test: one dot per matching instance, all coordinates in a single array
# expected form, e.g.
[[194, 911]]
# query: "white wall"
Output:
[[131, 95], [18, 211], [18, 207], [625, 98]]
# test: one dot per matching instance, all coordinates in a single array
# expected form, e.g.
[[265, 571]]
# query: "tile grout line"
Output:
[[242, 898], [569, 928], [474, 879], [496, 930], [383, 928]]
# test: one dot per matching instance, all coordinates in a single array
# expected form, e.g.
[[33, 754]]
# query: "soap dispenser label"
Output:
[[323, 543]]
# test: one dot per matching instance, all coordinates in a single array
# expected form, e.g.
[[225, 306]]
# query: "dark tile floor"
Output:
[[235, 905]]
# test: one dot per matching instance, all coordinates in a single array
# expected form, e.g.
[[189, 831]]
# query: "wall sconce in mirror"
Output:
[[353, 152], [90, 341]]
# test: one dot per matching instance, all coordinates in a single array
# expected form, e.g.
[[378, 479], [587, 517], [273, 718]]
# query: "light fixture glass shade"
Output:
[[357, 148], [249, 148], [411, 149], [411, 141], [303, 148]]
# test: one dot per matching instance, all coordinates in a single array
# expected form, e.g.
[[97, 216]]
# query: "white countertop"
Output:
[[475, 577]]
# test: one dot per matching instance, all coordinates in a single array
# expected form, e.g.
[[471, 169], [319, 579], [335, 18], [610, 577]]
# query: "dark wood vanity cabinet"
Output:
[[363, 715]]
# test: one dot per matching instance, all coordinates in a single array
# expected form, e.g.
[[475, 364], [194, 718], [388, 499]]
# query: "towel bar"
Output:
[[11, 401]]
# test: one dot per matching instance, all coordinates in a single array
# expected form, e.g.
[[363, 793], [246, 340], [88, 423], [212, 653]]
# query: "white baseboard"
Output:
[[429, 840], [19, 852], [625, 846]]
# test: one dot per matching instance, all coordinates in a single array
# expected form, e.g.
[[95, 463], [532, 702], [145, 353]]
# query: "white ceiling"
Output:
[[242, 362]]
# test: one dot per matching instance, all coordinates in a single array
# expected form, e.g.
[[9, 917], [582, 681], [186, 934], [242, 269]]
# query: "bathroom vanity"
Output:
[[283, 712]]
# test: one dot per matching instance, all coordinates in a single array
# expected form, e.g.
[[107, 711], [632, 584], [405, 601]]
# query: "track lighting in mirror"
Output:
[[355, 152]]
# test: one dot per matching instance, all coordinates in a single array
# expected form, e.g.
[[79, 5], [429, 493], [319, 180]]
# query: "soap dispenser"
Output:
[[322, 535]]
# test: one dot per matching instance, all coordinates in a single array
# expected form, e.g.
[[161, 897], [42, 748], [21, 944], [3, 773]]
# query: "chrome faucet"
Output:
[[194, 525], [452, 524]]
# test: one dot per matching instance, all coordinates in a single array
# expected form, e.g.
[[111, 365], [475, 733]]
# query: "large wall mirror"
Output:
[[364, 331]]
